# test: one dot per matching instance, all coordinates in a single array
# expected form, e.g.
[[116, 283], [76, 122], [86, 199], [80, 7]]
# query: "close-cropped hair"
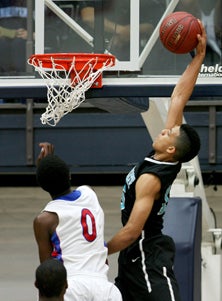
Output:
[[51, 278], [187, 144], [53, 175]]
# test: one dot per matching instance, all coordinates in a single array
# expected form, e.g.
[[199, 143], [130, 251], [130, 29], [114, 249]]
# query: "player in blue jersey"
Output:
[[147, 256], [71, 229]]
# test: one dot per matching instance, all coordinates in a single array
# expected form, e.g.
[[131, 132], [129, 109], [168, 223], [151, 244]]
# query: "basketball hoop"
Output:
[[67, 77]]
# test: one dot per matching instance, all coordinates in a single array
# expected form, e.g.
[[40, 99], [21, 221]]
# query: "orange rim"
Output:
[[66, 59]]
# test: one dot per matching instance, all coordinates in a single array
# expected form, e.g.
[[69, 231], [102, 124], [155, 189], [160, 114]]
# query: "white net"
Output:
[[66, 88]]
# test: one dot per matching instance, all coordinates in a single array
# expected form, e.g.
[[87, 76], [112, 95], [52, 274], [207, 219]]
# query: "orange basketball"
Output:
[[178, 32]]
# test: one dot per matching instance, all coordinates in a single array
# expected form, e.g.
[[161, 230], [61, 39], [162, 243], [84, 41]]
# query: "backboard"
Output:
[[127, 29]]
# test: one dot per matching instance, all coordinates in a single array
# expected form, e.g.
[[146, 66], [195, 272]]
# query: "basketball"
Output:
[[178, 32]]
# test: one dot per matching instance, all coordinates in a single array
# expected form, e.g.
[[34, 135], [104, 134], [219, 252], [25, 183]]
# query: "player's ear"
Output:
[[171, 149], [65, 288], [36, 284]]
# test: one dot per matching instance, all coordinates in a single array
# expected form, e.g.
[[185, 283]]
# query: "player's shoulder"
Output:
[[85, 188], [45, 218], [88, 193]]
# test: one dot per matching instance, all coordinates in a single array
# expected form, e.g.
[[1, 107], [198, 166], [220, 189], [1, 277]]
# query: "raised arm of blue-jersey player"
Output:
[[46, 149]]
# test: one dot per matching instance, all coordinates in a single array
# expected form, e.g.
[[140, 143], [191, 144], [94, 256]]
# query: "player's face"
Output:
[[166, 138]]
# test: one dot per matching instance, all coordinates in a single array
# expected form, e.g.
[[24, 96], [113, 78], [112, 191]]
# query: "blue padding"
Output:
[[183, 223]]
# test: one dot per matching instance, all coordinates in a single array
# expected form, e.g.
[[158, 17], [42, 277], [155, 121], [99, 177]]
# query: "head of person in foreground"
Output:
[[51, 280]]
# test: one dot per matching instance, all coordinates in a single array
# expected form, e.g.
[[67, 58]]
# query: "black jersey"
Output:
[[166, 172]]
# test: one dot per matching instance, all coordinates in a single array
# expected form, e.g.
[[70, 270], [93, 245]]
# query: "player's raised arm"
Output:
[[46, 149], [186, 83]]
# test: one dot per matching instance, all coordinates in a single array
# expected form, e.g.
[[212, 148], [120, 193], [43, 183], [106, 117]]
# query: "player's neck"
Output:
[[51, 299], [61, 194], [162, 157]]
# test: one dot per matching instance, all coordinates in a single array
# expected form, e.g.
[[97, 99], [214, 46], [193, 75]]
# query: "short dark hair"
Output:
[[53, 175], [51, 278], [187, 144]]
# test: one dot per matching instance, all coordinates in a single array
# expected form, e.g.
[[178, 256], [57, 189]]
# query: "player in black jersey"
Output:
[[147, 256]]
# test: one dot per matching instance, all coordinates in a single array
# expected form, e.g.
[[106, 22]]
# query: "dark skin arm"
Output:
[[46, 149], [44, 225], [46, 222]]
